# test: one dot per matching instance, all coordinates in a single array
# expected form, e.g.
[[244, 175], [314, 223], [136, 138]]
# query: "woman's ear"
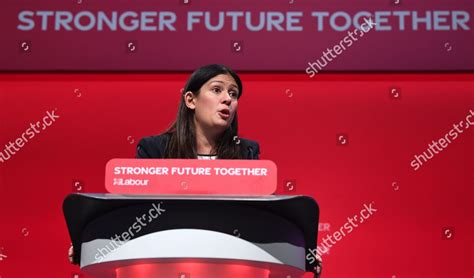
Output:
[[190, 100]]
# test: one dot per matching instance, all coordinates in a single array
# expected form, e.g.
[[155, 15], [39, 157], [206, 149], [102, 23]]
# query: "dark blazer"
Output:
[[155, 146]]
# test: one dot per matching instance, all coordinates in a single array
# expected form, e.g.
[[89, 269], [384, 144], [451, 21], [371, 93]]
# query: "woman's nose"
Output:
[[227, 98]]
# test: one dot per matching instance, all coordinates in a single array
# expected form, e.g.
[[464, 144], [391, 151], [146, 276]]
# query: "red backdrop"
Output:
[[423, 225]]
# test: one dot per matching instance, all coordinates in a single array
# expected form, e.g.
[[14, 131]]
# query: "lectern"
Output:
[[192, 236]]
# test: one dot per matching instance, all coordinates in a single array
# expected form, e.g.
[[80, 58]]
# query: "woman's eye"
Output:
[[216, 90], [233, 94]]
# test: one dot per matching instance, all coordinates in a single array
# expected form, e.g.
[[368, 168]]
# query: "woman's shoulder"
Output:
[[156, 139], [251, 148], [152, 146], [248, 142]]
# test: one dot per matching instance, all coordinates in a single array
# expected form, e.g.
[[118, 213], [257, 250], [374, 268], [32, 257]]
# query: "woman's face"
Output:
[[216, 104]]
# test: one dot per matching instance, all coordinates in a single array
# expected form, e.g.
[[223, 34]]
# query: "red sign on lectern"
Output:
[[191, 176]]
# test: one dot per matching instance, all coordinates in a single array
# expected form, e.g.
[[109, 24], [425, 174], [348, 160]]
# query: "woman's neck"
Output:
[[205, 141]]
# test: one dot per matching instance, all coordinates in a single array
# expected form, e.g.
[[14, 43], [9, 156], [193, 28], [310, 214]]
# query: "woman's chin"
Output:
[[222, 124]]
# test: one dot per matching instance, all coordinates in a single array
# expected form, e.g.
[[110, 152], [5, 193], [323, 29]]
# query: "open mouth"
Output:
[[224, 113]]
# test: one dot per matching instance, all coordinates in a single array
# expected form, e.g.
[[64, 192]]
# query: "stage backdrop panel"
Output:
[[349, 141], [283, 35]]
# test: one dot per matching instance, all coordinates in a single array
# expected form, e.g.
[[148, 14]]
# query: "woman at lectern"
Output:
[[206, 124]]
